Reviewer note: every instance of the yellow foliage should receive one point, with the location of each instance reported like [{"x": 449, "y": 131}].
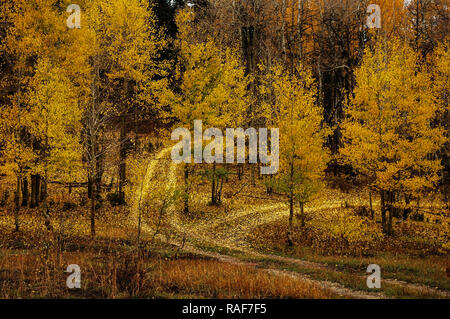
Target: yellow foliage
[
  {"x": 290, "y": 105},
  {"x": 388, "y": 134},
  {"x": 343, "y": 224},
  {"x": 213, "y": 85},
  {"x": 54, "y": 119}
]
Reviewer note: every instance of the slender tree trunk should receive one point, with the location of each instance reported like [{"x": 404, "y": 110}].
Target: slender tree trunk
[
  {"x": 383, "y": 211},
  {"x": 93, "y": 200},
  {"x": 33, "y": 191},
  {"x": 283, "y": 29},
  {"x": 389, "y": 228},
  {"x": 302, "y": 214},
  {"x": 35, "y": 188},
  {"x": 213, "y": 185},
  {"x": 292, "y": 35},
  {"x": 123, "y": 144},
  {"x": 291, "y": 220},
  {"x": 445, "y": 185},
  {"x": 45, "y": 207},
  {"x": 25, "y": 193},
  {"x": 407, "y": 210},
  {"x": 61, "y": 234},
  {"x": 138, "y": 240},
  {"x": 43, "y": 193},
  {"x": 4, "y": 199},
  {"x": 38, "y": 189},
  {"x": 136, "y": 135},
  {"x": 186, "y": 189},
  {"x": 17, "y": 204},
  {"x": 300, "y": 29},
  {"x": 90, "y": 185},
  {"x": 371, "y": 206},
  {"x": 122, "y": 165},
  {"x": 93, "y": 195},
  {"x": 391, "y": 212},
  {"x": 291, "y": 205},
  {"x": 93, "y": 175},
  {"x": 319, "y": 62},
  {"x": 99, "y": 167},
  {"x": 141, "y": 193}
]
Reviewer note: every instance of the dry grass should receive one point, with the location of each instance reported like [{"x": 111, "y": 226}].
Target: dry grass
[
  {"x": 125, "y": 275},
  {"x": 221, "y": 280}
]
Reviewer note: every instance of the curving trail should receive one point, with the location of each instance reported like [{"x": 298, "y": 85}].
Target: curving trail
[
  {"x": 230, "y": 232},
  {"x": 159, "y": 163},
  {"x": 142, "y": 190}
]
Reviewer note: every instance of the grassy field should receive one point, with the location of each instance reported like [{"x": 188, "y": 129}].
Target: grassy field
[{"x": 112, "y": 270}]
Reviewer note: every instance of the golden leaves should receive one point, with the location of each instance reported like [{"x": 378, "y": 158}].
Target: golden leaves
[
  {"x": 290, "y": 105},
  {"x": 389, "y": 134}
]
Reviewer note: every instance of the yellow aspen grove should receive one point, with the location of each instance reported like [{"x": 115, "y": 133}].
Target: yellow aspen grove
[
  {"x": 124, "y": 81},
  {"x": 388, "y": 132},
  {"x": 36, "y": 30},
  {"x": 132, "y": 45},
  {"x": 213, "y": 88},
  {"x": 213, "y": 85},
  {"x": 54, "y": 120},
  {"x": 291, "y": 106},
  {"x": 16, "y": 154}
]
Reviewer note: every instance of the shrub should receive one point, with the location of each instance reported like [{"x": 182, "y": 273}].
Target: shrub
[
  {"x": 68, "y": 206},
  {"x": 418, "y": 217},
  {"x": 115, "y": 199}
]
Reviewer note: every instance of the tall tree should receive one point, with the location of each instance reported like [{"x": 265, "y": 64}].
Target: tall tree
[
  {"x": 54, "y": 121},
  {"x": 212, "y": 87},
  {"x": 428, "y": 24},
  {"x": 292, "y": 107},
  {"x": 36, "y": 30},
  {"x": 388, "y": 133},
  {"x": 132, "y": 44}
]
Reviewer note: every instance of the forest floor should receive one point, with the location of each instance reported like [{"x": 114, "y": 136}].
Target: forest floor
[
  {"x": 233, "y": 250},
  {"x": 226, "y": 238}
]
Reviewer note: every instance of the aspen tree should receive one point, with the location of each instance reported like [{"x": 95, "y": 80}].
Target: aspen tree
[
  {"x": 388, "y": 133},
  {"x": 213, "y": 88},
  {"x": 291, "y": 106}
]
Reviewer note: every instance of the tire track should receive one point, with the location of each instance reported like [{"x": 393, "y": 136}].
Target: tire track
[{"x": 230, "y": 232}]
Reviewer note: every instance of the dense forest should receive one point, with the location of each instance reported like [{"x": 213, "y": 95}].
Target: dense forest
[{"x": 90, "y": 97}]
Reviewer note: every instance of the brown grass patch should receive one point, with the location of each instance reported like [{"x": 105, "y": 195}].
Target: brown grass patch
[{"x": 215, "y": 279}]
